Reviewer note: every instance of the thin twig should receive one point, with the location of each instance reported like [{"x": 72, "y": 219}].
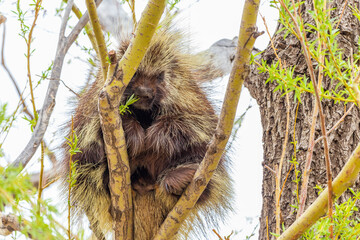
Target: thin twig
[
  {"x": 337, "y": 123},
  {"x": 88, "y": 29},
  {"x": 278, "y": 176},
  {"x": 132, "y": 8},
  {"x": 306, "y": 50},
  {"x": 25, "y": 108},
  {"x": 28, "y": 54},
  {"x": 294, "y": 143},
  {"x": 100, "y": 41},
  {"x": 40, "y": 189},
  {"x": 270, "y": 169},
  {"x": 342, "y": 14},
  {"x": 49, "y": 101},
  {"x": 70, "y": 181},
  {"x": 309, "y": 153},
  {"x": 267, "y": 228},
  {"x": 279, "y": 169},
  {"x": 217, "y": 234},
  {"x": 69, "y": 88}
]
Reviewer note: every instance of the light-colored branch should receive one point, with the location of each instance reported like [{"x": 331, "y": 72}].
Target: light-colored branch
[
  {"x": 100, "y": 41},
  {"x": 49, "y": 101},
  {"x": 88, "y": 29},
  {"x": 345, "y": 179},
  {"x": 111, "y": 124},
  {"x": 217, "y": 145}
]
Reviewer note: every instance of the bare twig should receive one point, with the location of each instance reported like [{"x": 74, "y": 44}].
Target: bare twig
[
  {"x": 294, "y": 158},
  {"x": 337, "y": 123},
  {"x": 217, "y": 234},
  {"x": 132, "y": 7},
  {"x": 28, "y": 54},
  {"x": 49, "y": 177},
  {"x": 279, "y": 169},
  {"x": 88, "y": 29},
  {"x": 270, "y": 169},
  {"x": 40, "y": 188}
]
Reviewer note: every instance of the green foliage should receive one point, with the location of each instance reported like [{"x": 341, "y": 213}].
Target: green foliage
[
  {"x": 18, "y": 193},
  {"x": 125, "y": 108},
  {"x": 72, "y": 142},
  {"x": 5, "y": 122},
  {"x": 172, "y": 4},
  {"x": 32, "y": 122},
  {"x": 14, "y": 187},
  {"x": 346, "y": 226},
  {"x": 21, "y": 19},
  {"x": 44, "y": 74},
  {"x": 340, "y": 69}
]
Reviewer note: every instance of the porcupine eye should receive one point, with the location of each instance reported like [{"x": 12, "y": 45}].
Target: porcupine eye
[{"x": 160, "y": 77}]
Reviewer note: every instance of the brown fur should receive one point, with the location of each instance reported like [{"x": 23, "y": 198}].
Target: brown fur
[{"x": 167, "y": 134}]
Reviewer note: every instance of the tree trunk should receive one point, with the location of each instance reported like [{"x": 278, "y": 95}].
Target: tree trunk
[{"x": 342, "y": 141}]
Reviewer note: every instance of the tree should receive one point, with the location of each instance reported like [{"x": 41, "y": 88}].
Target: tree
[
  {"x": 127, "y": 65},
  {"x": 288, "y": 116},
  {"x": 288, "y": 119}
]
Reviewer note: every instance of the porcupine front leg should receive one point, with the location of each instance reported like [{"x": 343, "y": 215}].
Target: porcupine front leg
[
  {"x": 180, "y": 153},
  {"x": 175, "y": 180}
]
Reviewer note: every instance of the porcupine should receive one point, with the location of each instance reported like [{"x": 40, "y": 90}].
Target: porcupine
[{"x": 167, "y": 132}]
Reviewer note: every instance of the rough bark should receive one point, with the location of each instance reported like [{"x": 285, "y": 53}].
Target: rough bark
[{"x": 272, "y": 105}]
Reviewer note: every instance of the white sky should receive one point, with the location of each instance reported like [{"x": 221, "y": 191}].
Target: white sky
[{"x": 207, "y": 21}]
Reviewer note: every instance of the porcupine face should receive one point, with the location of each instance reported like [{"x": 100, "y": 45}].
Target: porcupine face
[{"x": 147, "y": 89}]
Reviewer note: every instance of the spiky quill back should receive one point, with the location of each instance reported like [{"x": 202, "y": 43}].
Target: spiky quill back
[{"x": 183, "y": 124}]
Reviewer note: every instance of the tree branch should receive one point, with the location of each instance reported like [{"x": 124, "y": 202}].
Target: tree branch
[
  {"x": 317, "y": 209},
  {"x": 49, "y": 101},
  {"x": 25, "y": 108},
  {"x": 111, "y": 124},
  {"x": 217, "y": 145},
  {"x": 100, "y": 41}
]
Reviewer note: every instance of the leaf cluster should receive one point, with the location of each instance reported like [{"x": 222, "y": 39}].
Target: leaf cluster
[
  {"x": 125, "y": 108},
  {"x": 346, "y": 225},
  {"x": 72, "y": 141},
  {"x": 18, "y": 193},
  {"x": 14, "y": 187},
  {"x": 338, "y": 67}
]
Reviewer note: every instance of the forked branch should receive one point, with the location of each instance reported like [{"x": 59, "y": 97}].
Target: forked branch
[
  {"x": 49, "y": 101},
  {"x": 217, "y": 145},
  {"x": 109, "y": 100}
]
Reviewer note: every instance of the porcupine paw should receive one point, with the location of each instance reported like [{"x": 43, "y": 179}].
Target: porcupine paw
[{"x": 175, "y": 180}]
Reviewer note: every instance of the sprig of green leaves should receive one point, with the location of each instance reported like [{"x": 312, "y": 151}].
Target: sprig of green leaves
[{"x": 125, "y": 108}]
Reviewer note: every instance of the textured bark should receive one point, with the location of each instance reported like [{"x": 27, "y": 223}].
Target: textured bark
[{"x": 342, "y": 141}]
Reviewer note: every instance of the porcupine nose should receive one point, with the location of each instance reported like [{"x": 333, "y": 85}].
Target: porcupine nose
[{"x": 144, "y": 92}]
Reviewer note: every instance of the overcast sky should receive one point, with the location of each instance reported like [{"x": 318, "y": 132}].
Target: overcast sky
[{"x": 206, "y": 20}]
